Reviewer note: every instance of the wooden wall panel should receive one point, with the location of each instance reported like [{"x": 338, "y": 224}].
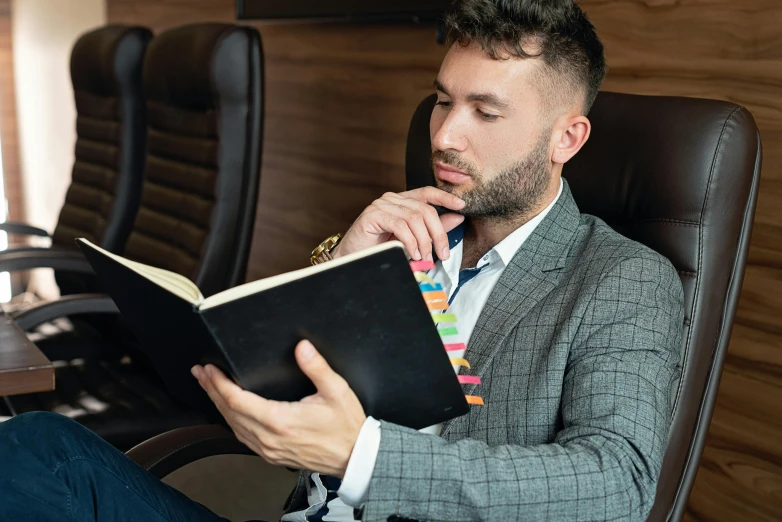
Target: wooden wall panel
[
  {"x": 339, "y": 99},
  {"x": 338, "y": 103}
]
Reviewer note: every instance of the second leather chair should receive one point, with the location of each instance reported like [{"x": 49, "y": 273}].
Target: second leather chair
[
  {"x": 105, "y": 190},
  {"x": 203, "y": 85}
]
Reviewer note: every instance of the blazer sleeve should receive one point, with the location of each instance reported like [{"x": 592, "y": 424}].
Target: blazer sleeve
[{"x": 616, "y": 411}]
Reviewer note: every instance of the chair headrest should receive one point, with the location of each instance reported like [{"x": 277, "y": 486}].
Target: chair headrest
[
  {"x": 174, "y": 70},
  {"x": 203, "y": 85},
  {"x": 105, "y": 59}
]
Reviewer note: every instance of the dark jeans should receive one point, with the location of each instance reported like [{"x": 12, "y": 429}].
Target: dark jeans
[{"x": 52, "y": 468}]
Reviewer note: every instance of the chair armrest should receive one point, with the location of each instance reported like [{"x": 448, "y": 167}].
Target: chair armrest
[
  {"x": 17, "y": 248},
  {"x": 64, "y": 306},
  {"x": 170, "y": 451},
  {"x": 27, "y": 259},
  {"x": 23, "y": 229}
]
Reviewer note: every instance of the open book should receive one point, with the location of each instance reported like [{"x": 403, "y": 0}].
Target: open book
[{"x": 364, "y": 312}]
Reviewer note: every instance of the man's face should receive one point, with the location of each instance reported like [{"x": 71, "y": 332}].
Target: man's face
[{"x": 491, "y": 138}]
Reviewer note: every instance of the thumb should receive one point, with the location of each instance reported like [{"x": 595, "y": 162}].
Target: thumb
[
  {"x": 314, "y": 366},
  {"x": 451, "y": 220}
]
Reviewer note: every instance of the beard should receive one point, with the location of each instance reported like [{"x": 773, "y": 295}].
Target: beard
[{"x": 515, "y": 191}]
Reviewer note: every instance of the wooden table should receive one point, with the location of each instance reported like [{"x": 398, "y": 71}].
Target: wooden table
[{"x": 23, "y": 367}]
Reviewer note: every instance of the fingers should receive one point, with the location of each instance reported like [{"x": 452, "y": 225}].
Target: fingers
[
  {"x": 435, "y": 196},
  {"x": 327, "y": 381},
  {"x": 233, "y": 403},
  {"x": 204, "y": 379},
  {"x": 396, "y": 224},
  {"x": 409, "y": 217},
  {"x": 227, "y": 396},
  {"x": 408, "y": 226},
  {"x": 424, "y": 223},
  {"x": 451, "y": 221}
]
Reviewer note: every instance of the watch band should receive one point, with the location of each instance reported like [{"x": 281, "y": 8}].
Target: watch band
[{"x": 322, "y": 252}]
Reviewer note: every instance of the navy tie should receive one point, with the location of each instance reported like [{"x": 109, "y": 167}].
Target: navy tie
[
  {"x": 455, "y": 237},
  {"x": 464, "y": 276}
]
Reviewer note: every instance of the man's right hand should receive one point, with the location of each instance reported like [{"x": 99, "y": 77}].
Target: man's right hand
[{"x": 410, "y": 218}]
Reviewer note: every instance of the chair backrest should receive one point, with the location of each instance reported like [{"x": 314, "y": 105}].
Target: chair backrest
[
  {"x": 105, "y": 190},
  {"x": 111, "y": 128},
  {"x": 679, "y": 175},
  {"x": 204, "y": 89}
]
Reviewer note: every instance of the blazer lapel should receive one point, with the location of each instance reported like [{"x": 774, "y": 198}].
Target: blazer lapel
[{"x": 530, "y": 276}]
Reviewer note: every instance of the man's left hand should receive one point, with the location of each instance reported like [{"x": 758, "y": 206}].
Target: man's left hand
[{"x": 316, "y": 433}]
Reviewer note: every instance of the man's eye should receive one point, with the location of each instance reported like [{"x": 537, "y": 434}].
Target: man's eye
[
  {"x": 443, "y": 104},
  {"x": 488, "y": 117}
]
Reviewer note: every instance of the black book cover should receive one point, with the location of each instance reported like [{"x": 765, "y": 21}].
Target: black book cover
[{"x": 366, "y": 316}]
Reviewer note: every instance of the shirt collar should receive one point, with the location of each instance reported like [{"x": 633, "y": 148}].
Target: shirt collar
[{"x": 508, "y": 247}]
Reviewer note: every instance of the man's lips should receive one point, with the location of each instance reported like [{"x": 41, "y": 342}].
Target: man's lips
[{"x": 445, "y": 172}]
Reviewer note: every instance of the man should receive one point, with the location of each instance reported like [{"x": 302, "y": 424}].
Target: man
[{"x": 574, "y": 329}]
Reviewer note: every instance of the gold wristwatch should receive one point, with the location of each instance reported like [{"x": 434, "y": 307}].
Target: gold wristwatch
[{"x": 322, "y": 252}]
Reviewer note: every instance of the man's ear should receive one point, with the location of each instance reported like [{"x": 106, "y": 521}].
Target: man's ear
[{"x": 573, "y": 132}]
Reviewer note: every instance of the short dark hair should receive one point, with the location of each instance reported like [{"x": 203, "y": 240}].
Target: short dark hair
[{"x": 561, "y": 33}]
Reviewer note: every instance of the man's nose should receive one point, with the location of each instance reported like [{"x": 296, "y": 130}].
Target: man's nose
[{"x": 450, "y": 135}]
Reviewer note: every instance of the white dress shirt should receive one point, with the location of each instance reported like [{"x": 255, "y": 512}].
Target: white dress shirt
[{"x": 466, "y": 306}]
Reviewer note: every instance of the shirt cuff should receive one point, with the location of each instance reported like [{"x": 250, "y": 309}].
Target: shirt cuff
[{"x": 355, "y": 483}]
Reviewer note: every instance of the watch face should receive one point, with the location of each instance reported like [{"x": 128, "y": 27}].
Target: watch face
[
  {"x": 333, "y": 240},
  {"x": 323, "y": 251}
]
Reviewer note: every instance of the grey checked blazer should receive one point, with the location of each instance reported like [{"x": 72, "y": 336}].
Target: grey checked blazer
[{"x": 577, "y": 347}]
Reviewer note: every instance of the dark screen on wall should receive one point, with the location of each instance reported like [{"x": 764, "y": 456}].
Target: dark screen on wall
[{"x": 351, "y": 9}]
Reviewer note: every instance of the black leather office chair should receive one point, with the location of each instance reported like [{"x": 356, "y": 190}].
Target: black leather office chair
[
  {"x": 677, "y": 174},
  {"x": 203, "y": 88},
  {"x": 105, "y": 190}
]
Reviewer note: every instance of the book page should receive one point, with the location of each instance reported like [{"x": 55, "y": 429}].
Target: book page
[
  {"x": 254, "y": 287},
  {"x": 175, "y": 283}
]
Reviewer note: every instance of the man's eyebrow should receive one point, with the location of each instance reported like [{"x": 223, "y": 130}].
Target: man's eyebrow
[
  {"x": 440, "y": 87},
  {"x": 488, "y": 98}
]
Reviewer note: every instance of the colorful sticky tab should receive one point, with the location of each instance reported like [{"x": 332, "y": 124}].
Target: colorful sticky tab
[
  {"x": 456, "y": 361},
  {"x": 423, "y": 278},
  {"x": 437, "y": 305},
  {"x": 435, "y": 296},
  {"x": 443, "y": 318},
  {"x": 436, "y": 300},
  {"x": 469, "y": 379},
  {"x": 421, "y": 266}
]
